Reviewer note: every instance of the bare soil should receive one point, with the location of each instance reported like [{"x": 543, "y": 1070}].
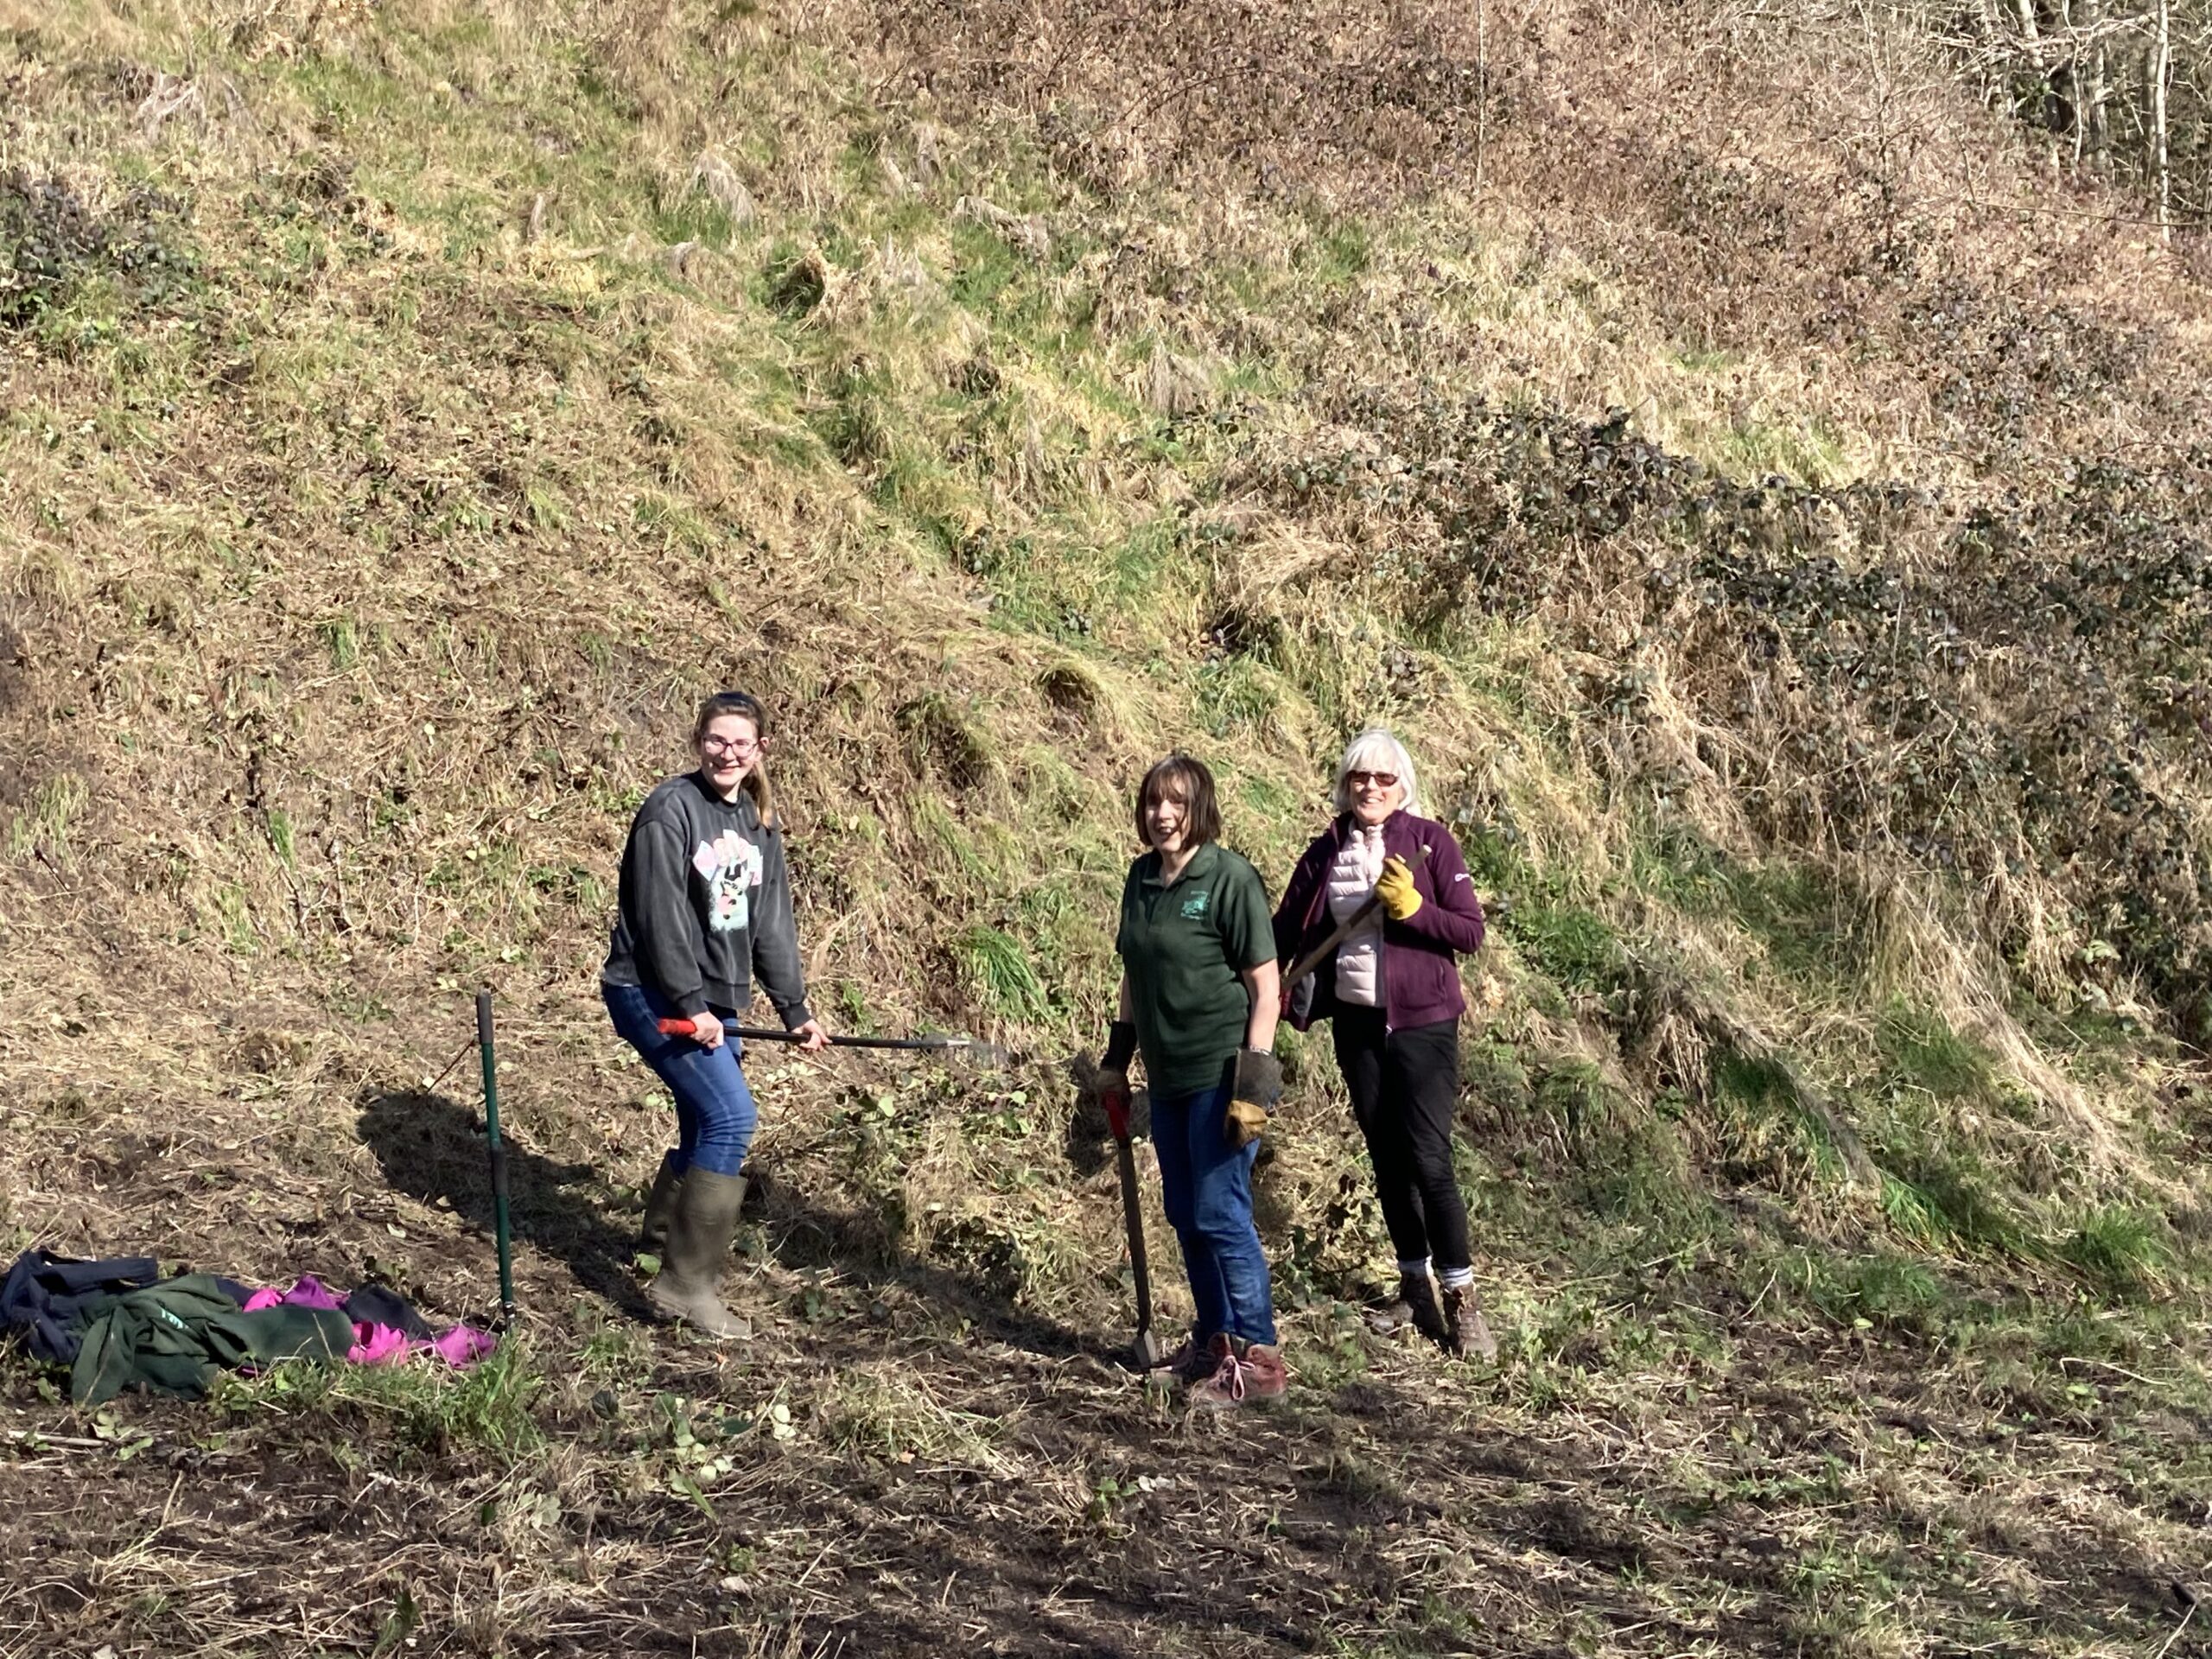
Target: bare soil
[{"x": 956, "y": 1470}]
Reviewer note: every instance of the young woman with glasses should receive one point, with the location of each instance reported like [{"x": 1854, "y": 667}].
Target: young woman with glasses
[
  {"x": 705, "y": 907},
  {"x": 1392, "y": 989}
]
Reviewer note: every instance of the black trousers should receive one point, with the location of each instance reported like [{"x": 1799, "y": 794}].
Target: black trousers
[{"x": 1405, "y": 1087}]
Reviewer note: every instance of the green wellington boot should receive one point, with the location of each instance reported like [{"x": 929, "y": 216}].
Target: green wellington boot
[
  {"x": 660, "y": 1207},
  {"x": 689, "y": 1286}
]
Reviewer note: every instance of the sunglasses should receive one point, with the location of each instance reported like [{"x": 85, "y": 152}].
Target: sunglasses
[{"x": 1380, "y": 780}]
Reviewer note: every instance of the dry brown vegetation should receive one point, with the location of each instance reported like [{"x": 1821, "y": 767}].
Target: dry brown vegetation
[{"x": 406, "y": 410}]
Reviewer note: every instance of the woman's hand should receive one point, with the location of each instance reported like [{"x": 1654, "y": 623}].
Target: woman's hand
[
  {"x": 1400, "y": 899},
  {"x": 707, "y": 1029},
  {"x": 1258, "y": 1091},
  {"x": 813, "y": 1037}
]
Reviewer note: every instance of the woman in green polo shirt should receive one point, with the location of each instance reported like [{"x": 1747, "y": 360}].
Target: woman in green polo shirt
[{"x": 1199, "y": 1001}]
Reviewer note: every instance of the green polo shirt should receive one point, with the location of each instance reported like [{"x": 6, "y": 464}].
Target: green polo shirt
[{"x": 1184, "y": 947}]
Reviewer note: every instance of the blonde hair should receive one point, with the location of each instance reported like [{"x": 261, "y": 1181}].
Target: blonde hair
[{"x": 1377, "y": 750}]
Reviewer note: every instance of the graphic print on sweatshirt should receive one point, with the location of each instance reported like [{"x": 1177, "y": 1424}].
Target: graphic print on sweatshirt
[{"x": 731, "y": 864}]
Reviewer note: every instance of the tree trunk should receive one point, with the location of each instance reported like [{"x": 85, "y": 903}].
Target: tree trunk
[
  {"x": 2031, "y": 50},
  {"x": 2093, "y": 121},
  {"x": 2162, "y": 65},
  {"x": 2072, "y": 69},
  {"x": 1482, "y": 92}
]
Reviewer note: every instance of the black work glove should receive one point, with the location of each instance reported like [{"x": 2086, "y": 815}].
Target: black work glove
[
  {"x": 1110, "y": 1084},
  {"x": 1120, "y": 1046},
  {"x": 1257, "y": 1091}
]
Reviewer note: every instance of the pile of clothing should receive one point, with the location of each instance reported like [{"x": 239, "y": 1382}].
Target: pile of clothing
[{"x": 118, "y": 1324}]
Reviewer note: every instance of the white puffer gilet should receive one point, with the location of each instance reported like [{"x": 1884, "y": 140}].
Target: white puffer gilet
[{"x": 1352, "y": 883}]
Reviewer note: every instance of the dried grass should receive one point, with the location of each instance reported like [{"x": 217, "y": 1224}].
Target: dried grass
[
  {"x": 336, "y": 682},
  {"x": 714, "y": 174},
  {"x": 1024, "y": 230}
]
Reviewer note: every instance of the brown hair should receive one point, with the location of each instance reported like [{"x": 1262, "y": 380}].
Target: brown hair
[
  {"x": 1184, "y": 779},
  {"x": 747, "y": 707}
]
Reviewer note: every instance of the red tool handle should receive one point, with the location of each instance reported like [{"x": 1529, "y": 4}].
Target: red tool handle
[
  {"x": 691, "y": 1028},
  {"x": 1116, "y": 1102}
]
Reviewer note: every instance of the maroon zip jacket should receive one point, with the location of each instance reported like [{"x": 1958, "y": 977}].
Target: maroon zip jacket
[{"x": 1420, "y": 980}]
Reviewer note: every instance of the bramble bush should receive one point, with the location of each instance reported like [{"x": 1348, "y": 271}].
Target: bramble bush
[{"x": 2015, "y": 686}]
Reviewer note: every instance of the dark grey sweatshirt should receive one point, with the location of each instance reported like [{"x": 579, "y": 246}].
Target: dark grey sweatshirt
[{"x": 705, "y": 903}]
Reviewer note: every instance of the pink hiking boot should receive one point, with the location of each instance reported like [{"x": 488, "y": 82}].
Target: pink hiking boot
[{"x": 1243, "y": 1372}]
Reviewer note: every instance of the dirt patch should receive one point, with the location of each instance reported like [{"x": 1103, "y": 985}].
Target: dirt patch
[
  {"x": 906, "y": 1461},
  {"x": 1282, "y": 95}
]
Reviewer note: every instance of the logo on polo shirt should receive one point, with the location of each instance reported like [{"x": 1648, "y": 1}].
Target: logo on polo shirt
[{"x": 1194, "y": 908}]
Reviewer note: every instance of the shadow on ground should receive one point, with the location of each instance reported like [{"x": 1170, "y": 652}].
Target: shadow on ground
[
  {"x": 431, "y": 1147},
  {"x": 804, "y": 1234}
]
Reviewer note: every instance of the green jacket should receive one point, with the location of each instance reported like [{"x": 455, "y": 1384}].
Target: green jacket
[{"x": 173, "y": 1336}]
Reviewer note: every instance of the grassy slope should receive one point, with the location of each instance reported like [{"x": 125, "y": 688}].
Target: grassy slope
[{"x": 360, "y": 563}]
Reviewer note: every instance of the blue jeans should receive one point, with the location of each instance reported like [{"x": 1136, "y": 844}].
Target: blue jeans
[
  {"x": 714, "y": 1113},
  {"x": 1205, "y": 1186}
]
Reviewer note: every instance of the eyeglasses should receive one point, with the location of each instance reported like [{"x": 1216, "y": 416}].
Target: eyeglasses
[
  {"x": 1380, "y": 780},
  {"x": 740, "y": 747}
]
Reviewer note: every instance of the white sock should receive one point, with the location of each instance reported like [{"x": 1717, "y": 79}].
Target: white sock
[
  {"x": 1415, "y": 1269},
  {"x": 1456, "y": 1278}
]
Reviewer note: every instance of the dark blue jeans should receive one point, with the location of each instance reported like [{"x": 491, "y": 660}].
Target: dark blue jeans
[
  {"x": 714, "y": 1113},
  {"x": 1205, "y": 1186}
]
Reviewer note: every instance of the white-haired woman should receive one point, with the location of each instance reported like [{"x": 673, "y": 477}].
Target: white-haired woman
[{"x": 1392, "y": 990}]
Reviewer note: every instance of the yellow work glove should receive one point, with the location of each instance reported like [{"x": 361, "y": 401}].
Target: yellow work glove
[
  {"x": 1394, "y": 887},
  {"x": 1246, "y": 1122},
  {"x": 1258, "y": 1086}
]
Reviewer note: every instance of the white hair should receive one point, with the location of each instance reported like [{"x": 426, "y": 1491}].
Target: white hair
[{"x": 1375, "y": 750}]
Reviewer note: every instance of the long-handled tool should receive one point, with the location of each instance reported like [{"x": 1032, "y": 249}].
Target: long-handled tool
[
  {"x": 499, "y": 1232},
  {"x": 1146, "y": 1349},
  {"x": 968, "y": 1047},
  {"x": 1321, "y": 952}
]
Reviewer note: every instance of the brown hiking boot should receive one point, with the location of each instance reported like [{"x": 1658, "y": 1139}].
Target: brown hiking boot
[
  {"x": 1243, "y": 1372},
  {"x": 1463, "y": 1315},
  {"x": 1191, "y": 1363},
  {"x": 1418, "y": 1292},
  {"x": 660, "y": 1207},
  {"x": 689, "y": 1286}
]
